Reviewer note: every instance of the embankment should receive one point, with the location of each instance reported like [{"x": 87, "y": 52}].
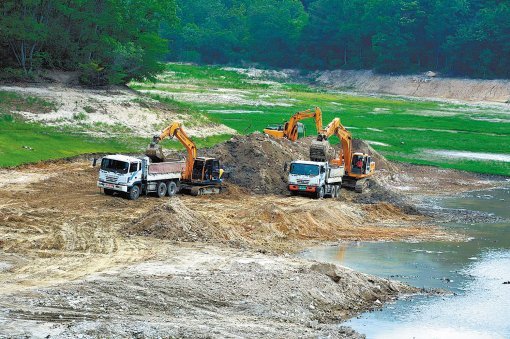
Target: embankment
[{"x": 419, "y": 85}]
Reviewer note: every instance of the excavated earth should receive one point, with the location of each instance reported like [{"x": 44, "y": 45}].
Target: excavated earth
[{"x": 77, "y": 263}]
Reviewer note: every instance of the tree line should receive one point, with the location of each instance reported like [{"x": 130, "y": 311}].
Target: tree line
[
  {"x": 107, "y": 41},
  {"x": 114, "y": 41},
  {"x": 458, "y": 37}
]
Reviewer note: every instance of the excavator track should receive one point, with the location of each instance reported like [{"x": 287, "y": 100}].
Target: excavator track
[{"x": 361, "y": 185}]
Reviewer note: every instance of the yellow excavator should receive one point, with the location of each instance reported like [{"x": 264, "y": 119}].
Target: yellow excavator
[
  {"x": 290, "y": 129},
  {"x": 201, "y": 175},
  {"x": 358, "y": 166}
]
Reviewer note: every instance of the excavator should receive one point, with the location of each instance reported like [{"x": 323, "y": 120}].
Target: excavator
[
  {"x": 358, "y": 166},
  {"x": 201, "y": 175},
  {"x": 290, "y": 129}
]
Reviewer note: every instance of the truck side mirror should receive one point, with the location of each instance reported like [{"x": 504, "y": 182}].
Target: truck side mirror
[
  {"x": 285, "y": 167},
  {"x": 94, "y": 162}
]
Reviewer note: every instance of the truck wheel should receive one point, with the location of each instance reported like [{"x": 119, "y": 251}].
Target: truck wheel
[
  {"x": 337, "y": 192},
  {"x": 161, "y": 192},
  {"x": 320, "y": 193},
  {"x": 108, "y": 191},
  {"x": 171, "y": 189},
  {"x": 134, "y": 193}
]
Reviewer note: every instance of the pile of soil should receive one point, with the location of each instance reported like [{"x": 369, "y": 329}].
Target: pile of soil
[{"x": 257, "y": 161}]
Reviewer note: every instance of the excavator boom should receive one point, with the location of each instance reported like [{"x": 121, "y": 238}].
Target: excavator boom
[
  {"x": 358, "y": 166},
  {"x": 154, "y": 151},
  {"x": 290, "y": 128}
]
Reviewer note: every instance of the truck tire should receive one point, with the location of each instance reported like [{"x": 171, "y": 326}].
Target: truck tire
[
  {"x": 134, "y": 193},
  {"x": 337, "y": 192},
  {"x": 320, "y": 193},
  {"x": 171, "y": 189},
  {"x": 161, "y": 189},
  {"x": 108, "y": 191}
]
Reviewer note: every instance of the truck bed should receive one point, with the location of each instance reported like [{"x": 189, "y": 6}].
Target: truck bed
[
  {"x": 167, "y": 167},
  {"x": 335, "y": 174}
]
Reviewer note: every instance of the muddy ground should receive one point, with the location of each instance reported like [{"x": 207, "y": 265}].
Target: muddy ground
[{"x": 74, "y": 262}]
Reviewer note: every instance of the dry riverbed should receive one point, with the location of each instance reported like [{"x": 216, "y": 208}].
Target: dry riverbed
[{"x": 75, "y": 262}]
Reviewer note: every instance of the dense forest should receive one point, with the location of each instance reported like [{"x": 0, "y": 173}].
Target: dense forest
[{"x": 113, "y": 41}]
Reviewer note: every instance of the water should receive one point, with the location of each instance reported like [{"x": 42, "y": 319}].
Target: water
[{"x": 474, "y": 271}]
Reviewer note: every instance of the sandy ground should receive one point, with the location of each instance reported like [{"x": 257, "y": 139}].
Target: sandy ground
[
  {"x": 476, "y": 90},
  {"x": 76, "y": 262},
  {"x": 115, "y": 107}
]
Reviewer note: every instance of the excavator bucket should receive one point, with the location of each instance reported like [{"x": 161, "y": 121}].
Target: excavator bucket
[
  {"x": 155, "y": 152},
  {"x": 321, "y": 150}
]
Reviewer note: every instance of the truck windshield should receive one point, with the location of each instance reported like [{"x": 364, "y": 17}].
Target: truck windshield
[
  {"x": 117, "y": 166},
  {"x": 304, "y": 169}
]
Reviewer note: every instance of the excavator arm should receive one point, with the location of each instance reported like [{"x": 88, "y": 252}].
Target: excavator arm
[
  {"x": 320, "y": 148},
  {"x": 155, "y": 152},
  {"x": 290, "y": 129}
]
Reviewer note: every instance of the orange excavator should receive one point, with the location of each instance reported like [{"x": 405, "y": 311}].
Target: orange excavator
[
  {"x": 291, "y": 129},
  {"x": 358, "y": 166},
  {"x": 201, "y": 175}
]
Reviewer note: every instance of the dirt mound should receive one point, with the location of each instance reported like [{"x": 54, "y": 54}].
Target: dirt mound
[
  {"x": 419, "y": 85},
  {"x": 257, "y": 161},
  {"x": 274, "y": 223},
  {"x": 173, "y": 221}
]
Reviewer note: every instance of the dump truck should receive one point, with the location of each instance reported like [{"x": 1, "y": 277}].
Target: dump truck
[
  {"x": 153, "y": 173},
  {"x": 201, "y": 175},
  {"x": 135, "y": 176},
  {"x": 315, "y": 178},
  {"x": 293, "y": 128}
]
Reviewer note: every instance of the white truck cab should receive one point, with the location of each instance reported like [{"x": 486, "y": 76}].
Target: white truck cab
[
  {"x": 119, "y": 172},
  {"x": 135, "y": 176},
  {"x": 319, "y": 179}
]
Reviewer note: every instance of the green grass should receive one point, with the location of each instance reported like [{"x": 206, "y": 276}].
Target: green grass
[
  {"x": 409, "y": 126},
  {"x": 22, "y": 143}
]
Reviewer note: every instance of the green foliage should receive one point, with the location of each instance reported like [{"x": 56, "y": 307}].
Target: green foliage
[
  {"x": 461, "y": 37},
  {"x": 109, "y": 41}
]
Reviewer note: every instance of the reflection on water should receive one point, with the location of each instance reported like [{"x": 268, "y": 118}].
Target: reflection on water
[{"x": 475, "y": 271}]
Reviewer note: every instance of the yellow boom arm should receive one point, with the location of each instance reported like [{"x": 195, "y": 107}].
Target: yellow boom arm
[
  {"x": 290, "y": 130},
  {"x": 175, "y": 130},
  {"x": 335, "y": 127}
]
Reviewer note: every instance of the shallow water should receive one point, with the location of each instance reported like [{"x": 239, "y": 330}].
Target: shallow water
[{"x": 475, "y": 271}]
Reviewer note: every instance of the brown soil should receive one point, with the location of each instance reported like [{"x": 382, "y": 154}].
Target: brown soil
[
  {"x": 417, "y": 85},
  {"x": 131, "y": 274}
]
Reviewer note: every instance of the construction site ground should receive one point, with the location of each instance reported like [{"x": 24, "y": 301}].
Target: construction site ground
[{"x": 75, "y": 262}]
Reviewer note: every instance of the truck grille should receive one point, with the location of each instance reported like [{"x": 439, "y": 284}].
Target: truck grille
[
  {"x": 111, "y": 178},
  {"x": 303, "y": 181}
]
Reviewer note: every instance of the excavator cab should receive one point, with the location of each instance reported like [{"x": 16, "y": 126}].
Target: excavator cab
[
  {"x": 361, "y": 164},
  {"x": 206, "y": 170}
]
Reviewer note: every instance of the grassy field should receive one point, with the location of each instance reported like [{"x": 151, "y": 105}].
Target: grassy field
[
  {"x": 402, "y": 129},
  {"x": 22, "y": 142}
]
